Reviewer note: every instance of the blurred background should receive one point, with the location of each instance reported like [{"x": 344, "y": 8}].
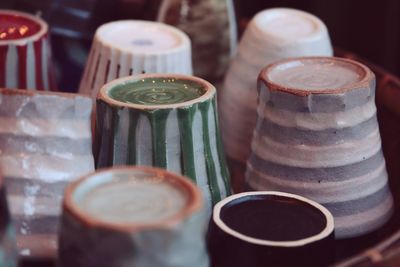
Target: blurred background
[{"x": 370, "y": 29}]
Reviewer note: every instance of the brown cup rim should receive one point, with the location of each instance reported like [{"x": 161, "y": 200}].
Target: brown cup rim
[
  {"x": 32, "y": 38},
  {"x": 27, "y": 92},
  {"x": 328, "y": 230},
  {"x": 364, "y": 82},
  {"x": 184, "y": 40},
  {"x": 104, "y": 96},
  {"x": 193, "y": 204}
]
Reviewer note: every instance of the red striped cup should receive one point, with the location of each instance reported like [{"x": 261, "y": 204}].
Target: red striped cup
[{"x": 25, "y": 57}]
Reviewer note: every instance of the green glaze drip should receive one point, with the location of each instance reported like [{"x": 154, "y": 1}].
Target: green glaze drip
[
  {"x": 158, "y": 120},
  {"x": 113, "y": 133},
  {"x": 221, "y": 153},
  {"x": 185, "y": 117},
  {"x": 157, "y": 91},
  {"x": 133, "y": 121},
  {"x": 211, "y": 170}
]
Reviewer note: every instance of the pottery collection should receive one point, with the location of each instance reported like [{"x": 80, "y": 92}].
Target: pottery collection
[
  {"x": 129, "y": 47},
  {"x": 133, "y": 216},
  {"x": 317, "y": 135},
  {"x": 25, "y": 56},
  {"x": 45, "y": 142},
  {"x": 168, "y": 121},
  {"x": 273, "y": 34},
  {"x": 298, "y": 126}
]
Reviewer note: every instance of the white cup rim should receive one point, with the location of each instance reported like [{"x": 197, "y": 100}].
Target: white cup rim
[{"x": 329, "y": 228}]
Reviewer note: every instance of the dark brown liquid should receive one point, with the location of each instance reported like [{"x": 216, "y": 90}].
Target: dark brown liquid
[{"x": 274, "y": 218}]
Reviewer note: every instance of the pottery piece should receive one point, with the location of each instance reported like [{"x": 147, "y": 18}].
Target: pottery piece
[
  {"x": 211, "y": 26},
  {"x": 317, "y": 135},
  {"x": 163, "y": 120},
  {"x": 273, "y": 34},
  {"x": 270, "y": 229},
  {"x": 45, "y": 142},
  {"x": 25, "y": 54},
  {"x": 133, "y": 216},
  {"x": 126, "y": 47},
  {"x": 8, "y": 251}
]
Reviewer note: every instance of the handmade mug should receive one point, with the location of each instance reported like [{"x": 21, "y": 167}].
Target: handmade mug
[
  {"x": 163, "y": 120},
  {"x": 127, "y": 47},
  {"x": 270, "y": 229},
  {"x": 133, "y": 216},
  {"x": 273, "y": 34},
  {"x": 317, "y": 135},
  {"x": 25, "y": 54},
  {"x": 45, "y": 142}
]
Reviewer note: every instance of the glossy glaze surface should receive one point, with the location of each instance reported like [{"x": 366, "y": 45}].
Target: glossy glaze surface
[
  {"x": 17, "y": 27},
  {"x": 157, "y": 91}
]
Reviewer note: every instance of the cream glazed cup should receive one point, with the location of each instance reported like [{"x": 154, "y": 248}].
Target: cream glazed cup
[
  {"x": 272, "y": 34},
  {"x": 133, "y": 216},
  {"x": 317, "y": 135},
  {"x": 129, "y": 47}
]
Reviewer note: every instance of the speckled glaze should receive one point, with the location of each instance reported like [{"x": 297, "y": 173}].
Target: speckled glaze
[
  {"x": 322, "y": 141},
  {"x": 25, "y": 55},
  {"x": 167, "y": 229},
  {"x": 273, "y": 34},
  {"x": 128, "y": 47},
  {"x": 270, "y": 229},
  {"x": 180, "y": 136},
  {"x": 8, "y": 251},
  {"x": 45, "y": 142}
]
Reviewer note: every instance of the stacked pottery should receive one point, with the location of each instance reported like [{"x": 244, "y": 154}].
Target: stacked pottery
[
  {"x": 8, "y": 252},
  {"x": 45, "y": 142},
  {"x": 133, "y": 216},
  {"x": 25, "y": 56},
  {"x": 272, "y": 35},
  {"x": 123, "y": 48},
  {"x": 163, "y": 120},
  {"x": 317, "y": 135}
]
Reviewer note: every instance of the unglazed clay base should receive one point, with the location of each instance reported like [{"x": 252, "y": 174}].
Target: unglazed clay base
[
  {"x": 318, "y": 136},
  {"x": 133, "y": 216}
]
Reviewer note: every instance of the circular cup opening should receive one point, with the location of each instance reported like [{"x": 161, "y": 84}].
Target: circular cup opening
[
  {"x": 156, "y": 91},
  {"x": 273, "y": 219},
  {"x": 129, "y": 198}
]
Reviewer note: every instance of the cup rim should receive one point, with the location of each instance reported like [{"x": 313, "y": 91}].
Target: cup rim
[
  {"x": 329, "y": 228},
  {"x": 183, "y": 37},
  {"x": 104, "y": 96},
  {"x": 320, "y": 27},
  {"x": 32, "y": 38},
  {"x": 363, "y": 82},
  {"x": 194, "y": 201}
]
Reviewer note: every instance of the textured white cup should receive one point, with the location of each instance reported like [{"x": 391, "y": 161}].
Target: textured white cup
[
  {"x": 272, "y": 35},
  {"x": 126, "y": 47}
]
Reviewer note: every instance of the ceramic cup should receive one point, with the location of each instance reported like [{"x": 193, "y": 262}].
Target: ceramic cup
[
  {"x": 273, "y": 34},
  {"x": 317, "y": 135},
  {"x": 270, "y": 229},
  {"x": 133, "y": 216},
  {"x": 45, "y": 142},
  {"x": 8, "y": 251},
  {"x": 25, "y": 56},
  {"x": 163, "y": 120},
  {"x": 123, "y": 48}
]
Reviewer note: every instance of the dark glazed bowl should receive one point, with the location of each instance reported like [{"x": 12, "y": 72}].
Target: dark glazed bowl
[{"x": 270, "y": 228}]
